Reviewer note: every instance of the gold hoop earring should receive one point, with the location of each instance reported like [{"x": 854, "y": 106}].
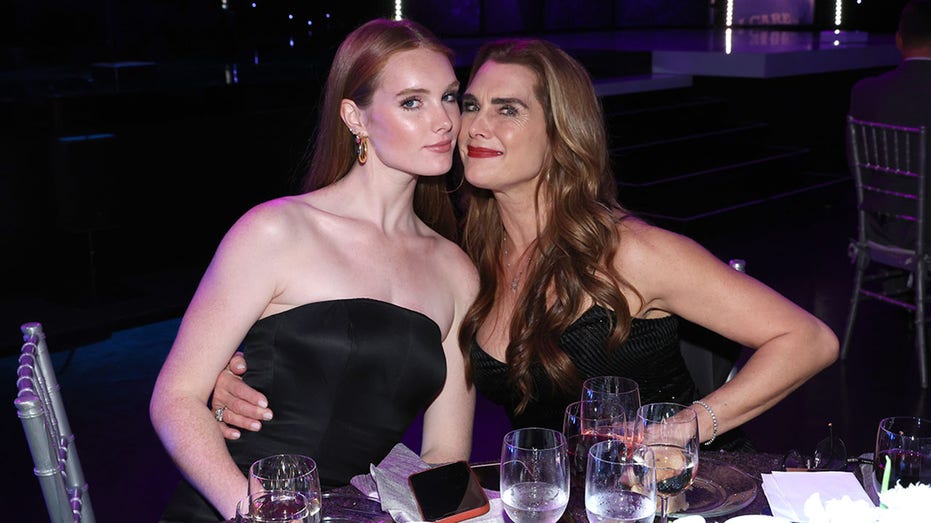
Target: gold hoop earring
[{"x": 362, "y": 149}]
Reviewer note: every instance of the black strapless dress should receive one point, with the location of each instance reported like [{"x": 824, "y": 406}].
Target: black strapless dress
[
  {"x": 346, "y": 378},
  {"x": 650, "y": 356}
]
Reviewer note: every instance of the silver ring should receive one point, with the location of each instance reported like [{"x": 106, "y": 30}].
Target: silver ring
[{"x": 218, "y": 414}]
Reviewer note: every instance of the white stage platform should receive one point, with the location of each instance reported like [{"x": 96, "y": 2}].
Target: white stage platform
[{"x": 739, "y": 53}]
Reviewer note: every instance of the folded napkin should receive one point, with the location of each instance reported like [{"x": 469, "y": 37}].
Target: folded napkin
[
  {"x": 387, "y": 482},
  {"x": 797, "y": 495}
]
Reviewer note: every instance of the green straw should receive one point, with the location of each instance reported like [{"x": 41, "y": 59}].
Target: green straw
[{"x": 885, "y": 483}]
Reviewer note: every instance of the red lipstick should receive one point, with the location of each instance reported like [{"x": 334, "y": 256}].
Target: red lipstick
[{"x": 481, "y": 152}]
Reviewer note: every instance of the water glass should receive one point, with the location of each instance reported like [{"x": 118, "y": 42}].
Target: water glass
[
  {"x": 586, "y": 423},
  {"x": 534, "y": 475},
  {"x": 903, "y": 448},
  {"x": 620, "y": 484},
  {"x": 276, "y": 506},
  {"x": 288, "y": 472}
]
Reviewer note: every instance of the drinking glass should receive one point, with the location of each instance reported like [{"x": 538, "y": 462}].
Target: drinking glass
[
  {"x": 903, "y": 446},
  {"x": 534, "y": 475},
  {"x": 620, "y": 485},
  {"x": 671, "y": 430},
  {"x": 623, "y": 394},
  {"x": 584, "y": 424},
  {"x": 288, "y": 472},
  {"x": 275, "y": 506}
]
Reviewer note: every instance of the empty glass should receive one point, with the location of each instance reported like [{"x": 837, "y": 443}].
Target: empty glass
[
  {"x": 288, "y": 472},
  {"x": 620, "y": 486},
  {"x": 534, "y": 475}
]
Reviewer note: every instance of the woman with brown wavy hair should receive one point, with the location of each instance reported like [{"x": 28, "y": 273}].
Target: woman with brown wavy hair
[
  {"x": 347, "y": 298},
  {"x": 574, "y": 286}
]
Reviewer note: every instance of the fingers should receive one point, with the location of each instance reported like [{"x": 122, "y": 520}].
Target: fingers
[
  {"x": 237, "y": 364},
  {"x": 246, "y": 408},
  {"x": 235, "y": 420},
  {"x": 229, "y": 432}
]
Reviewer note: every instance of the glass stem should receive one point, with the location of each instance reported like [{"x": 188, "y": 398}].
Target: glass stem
[{"x": 663, "y": 507}]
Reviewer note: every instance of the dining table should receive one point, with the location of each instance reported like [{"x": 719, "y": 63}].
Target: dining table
[{"x": 734, "y": 479}]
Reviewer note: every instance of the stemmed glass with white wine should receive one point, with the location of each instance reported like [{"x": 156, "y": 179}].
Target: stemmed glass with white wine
[
  {"x": 671, "y": 430},
  {"x": 534, "y": 475}
]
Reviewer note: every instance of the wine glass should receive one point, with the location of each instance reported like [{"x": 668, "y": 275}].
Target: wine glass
[
  {"x": 534, "y": 475},
  {"x": 584, "y": 424},
  {"x": 903, "y": 451},
  {"x": 275, "y": 506},
  {"x": 288, "y": 472},
  {"x": 671, "y": 430},
  {"x": 621, "y": 393},
  {"x": 620, "y": 483}
]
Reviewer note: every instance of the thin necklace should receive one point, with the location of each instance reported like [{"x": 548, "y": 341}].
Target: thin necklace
[{"x": 515, "y": 280}]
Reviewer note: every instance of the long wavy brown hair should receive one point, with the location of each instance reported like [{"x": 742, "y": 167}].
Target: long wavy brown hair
[
  {"x": 355, "y": 74},
  {"x": 572, "y": 259}
]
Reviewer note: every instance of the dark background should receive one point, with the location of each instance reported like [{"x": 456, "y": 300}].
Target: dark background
[{"x": 133, "y": 134}]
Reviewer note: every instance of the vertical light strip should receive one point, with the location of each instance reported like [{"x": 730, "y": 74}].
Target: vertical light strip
[
  {"x": 727, "y": 40},
  {"x": 397, "y": 10},
  {"x": 729, "y": 14},
  {"x": 838, "y": 13}
]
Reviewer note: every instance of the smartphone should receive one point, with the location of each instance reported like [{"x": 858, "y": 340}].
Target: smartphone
[
  {"x": 489, "y": 474},
  {"x": 448, "y": 493}
]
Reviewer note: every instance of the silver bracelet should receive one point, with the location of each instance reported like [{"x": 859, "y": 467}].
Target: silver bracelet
[{"x": 714, "y": 420}]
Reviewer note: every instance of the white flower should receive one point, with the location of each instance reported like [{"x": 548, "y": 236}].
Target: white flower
[{"x": 906, "y": 504}]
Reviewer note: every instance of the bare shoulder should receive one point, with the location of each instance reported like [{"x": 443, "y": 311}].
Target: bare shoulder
[
  {"x": 656, "y": 261},
  {"x": 274, "y": 222},
  {"x": 645, "y": 244}
]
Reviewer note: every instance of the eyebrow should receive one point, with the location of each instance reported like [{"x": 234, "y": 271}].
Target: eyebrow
[
  {"x": 509, "y": 101},
  {"x": 499, "y": 101},
  {"x": 420, "y": 90}
]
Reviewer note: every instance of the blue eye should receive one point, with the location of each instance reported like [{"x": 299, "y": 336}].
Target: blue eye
[
  {"x": 451, "y": 97},
  {"x": 508, "y": 110},
  {"x": 411, "y": 103},
  {"x": 469, "y": 107}
]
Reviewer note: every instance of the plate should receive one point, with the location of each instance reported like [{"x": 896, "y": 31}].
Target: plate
[
  {"x": 719, "y": 489},
  {"x": 342, "y": 507}
]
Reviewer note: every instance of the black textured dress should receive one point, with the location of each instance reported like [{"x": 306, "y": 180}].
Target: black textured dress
[
  {"x": 346, "y": 378},
  {"x": 650, "y": 356}
]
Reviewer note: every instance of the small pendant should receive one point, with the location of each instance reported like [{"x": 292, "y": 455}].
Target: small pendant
[{"x": 514, "y": 284}]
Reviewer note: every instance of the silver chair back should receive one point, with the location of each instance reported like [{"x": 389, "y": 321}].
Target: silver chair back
[
  {"x": 890, "y": 167},
  {"x": 48, "y": 432}
]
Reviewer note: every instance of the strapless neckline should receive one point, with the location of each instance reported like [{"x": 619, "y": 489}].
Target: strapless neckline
[
  {"x": 593, "y": 313},
  {"x": 297, "y": 309}
]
